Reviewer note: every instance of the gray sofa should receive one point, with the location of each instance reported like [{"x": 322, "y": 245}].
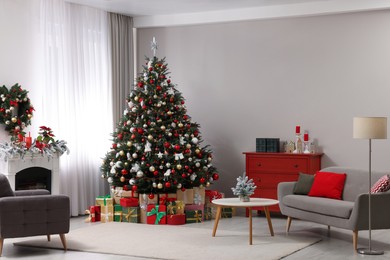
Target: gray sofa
[
  {"x": 350, "y": 213},
  {"x": 32, "y": 213}
]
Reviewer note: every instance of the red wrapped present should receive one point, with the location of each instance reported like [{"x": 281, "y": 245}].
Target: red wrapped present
[
  {"x": 156, "y": 214},
  {"x": 176, "y": 219},
  {"x": 212, "y": 195},
  {"x": 129, "y": 202},
  {"x": 163, "y": 199},
  {"x": 94, "y": 214}
]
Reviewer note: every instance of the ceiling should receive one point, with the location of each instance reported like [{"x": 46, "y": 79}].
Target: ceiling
[{"x": 151, "y": 13}]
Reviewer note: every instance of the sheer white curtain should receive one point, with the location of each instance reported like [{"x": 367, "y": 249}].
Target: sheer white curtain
[{"x": 77, "y": 94}]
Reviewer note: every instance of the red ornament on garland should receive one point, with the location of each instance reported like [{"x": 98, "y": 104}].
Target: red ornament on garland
[
  {"x": 151, "y": 196},
  {"x": 177, "y": 147},
  {"x": 167, "y": 185},
  {"x": 215, "y": 176},
  {"x": 202, "y": 180},
  {"x": 183, "y": 175},
  {"x": 124, "y": 172},
  {"x": 114, "y": 145},
  {"x": 134, "y": 188},
  {"x": 167, "y": 145}
]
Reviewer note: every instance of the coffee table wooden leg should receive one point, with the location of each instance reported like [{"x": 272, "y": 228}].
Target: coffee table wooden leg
[
  {"x": 250, "y": 225},
  {"x": 271, "y": 230},
  {"x": 217, "y": 217}
]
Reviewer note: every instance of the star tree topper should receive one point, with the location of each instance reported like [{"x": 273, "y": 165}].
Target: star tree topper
[{"x": 154, "y": 46}]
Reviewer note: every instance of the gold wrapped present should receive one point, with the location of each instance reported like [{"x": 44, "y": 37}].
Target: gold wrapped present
[
  {"x": 187, "y": 196},
  {"x": 104, "y": 201},
  {"x": 107, "y": 214}
]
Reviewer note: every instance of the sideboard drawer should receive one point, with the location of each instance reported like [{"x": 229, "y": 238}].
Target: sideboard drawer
[
  {"x": 271, "y": 181},
  {"x": 277, "y": 164}
]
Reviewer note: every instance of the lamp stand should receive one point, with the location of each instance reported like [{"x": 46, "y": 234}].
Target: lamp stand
[{"x": 369, "y": 251}]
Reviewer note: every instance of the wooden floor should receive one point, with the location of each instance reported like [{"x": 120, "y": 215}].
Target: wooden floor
[{"x": 335, "y": 244}]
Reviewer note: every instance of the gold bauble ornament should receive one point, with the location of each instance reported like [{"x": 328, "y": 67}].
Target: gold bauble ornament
[
  {"x": 150, "y": 137},
  {"x": 197, "y": 151},
  {"x": 129, "y": 143},
  {"x": 136, "y": 98},
  {"x": 14, "y": 120},
  {"x": 159, "y": 185},
  {"x": 169, "y": 113},
  {"x": 178, "y": 166},
  {"x": 122, "y": 179},
  {"x": 208, "y": 184},
  {"x": 180, "y": 125},
  {"x": 188, "y": 146},
  {"x": 121, "y": 153},
  {"x": 163, "y": 127}
]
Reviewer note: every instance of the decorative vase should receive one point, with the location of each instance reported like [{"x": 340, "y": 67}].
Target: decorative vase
[{"x": 244, "y": 198}]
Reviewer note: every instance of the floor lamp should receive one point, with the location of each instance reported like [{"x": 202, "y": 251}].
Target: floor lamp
[{"x": 369, "y": 128}]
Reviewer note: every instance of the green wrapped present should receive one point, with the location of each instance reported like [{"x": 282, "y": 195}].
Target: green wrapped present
[
  {"x": 118, "y": 213},
  {"x": 227, "y": 213},
  {"x": 194, "y": 216},
  {"x": 131, "y": 214}
]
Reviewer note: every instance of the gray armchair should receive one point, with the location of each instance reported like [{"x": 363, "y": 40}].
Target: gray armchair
[{"x": 32, "y": 213}]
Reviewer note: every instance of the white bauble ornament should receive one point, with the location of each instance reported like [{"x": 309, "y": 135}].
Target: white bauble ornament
[
  {"x": 118, "y": 164},
  {"x": 164, "y": 103},
  {"x": 159, "y": 185},
  {"x": 132, "y": 181},
  {"x": 110, "y": 180},
  {"x": 173, "y": 125},
  {"x": 111, "y": 164},
  {"x": 132, "y": 130},
  {"x": 152, "y": 169},
  {"x": 11, "y": 108},
  {"x": 161, "y": 167},
  {"x": 121, "y": 153},
  {"x": 209, "y": 159},
  {"x": 155, "y": 96},
  {"x": 145, "y": 126},
  {"x": 179, "y": 186},
  {"x": 162, "y": 127},
  {"x": 168, "y": 165},
  {"x": 135, "y": 155},
  {"x": 158, "y": 105},
  {"x": 194, "y": 140},
  {"x": 188, "y": 146},
  {"x": 128, "y": 122},
  {"x": 140, "y": 174},
  {"x": 134, "y": 109},
  {"x": 169, "y": 134},
  {"x": 150, "y": 137},
  {"x": 169, "y": 113},
  {"x": 186, "y": 135},
  {"x": 154, "y": 185},
  {"x": 192, "y": 177},
  {"x": 190, "y": 159},
  {"x": 197, "y": 164}
]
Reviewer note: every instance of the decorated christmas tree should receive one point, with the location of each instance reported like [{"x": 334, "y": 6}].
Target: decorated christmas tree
[{"x": 156, "y": 148}]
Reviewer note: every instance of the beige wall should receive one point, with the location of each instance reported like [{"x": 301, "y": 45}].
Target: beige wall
[{"x": 259, "y": 79}]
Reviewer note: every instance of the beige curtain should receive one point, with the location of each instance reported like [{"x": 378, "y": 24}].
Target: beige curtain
[{"x": 120, "y": 30}]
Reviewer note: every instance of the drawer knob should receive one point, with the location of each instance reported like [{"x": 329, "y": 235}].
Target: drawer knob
[
  {"x": 296, "y": 166},
  {"x": 259, "y": 164}
]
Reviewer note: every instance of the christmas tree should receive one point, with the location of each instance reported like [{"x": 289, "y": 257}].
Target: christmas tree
[{"x": 156, "y": 148}]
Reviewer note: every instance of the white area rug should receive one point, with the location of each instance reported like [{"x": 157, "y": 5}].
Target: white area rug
[{"x": 175, "y": 242}]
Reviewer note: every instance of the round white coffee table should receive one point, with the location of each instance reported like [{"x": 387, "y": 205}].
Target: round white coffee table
[{"x": 236, "y": 203}]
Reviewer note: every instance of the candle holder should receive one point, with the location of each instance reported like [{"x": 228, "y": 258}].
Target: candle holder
[
  {"x": 306, "y": 147},
  {"x": 298, "y": 143}
]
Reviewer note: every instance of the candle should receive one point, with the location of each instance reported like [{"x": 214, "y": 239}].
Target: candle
[
  {"x": 306, "y": 137},
  {"x": 297, "y": 129}
]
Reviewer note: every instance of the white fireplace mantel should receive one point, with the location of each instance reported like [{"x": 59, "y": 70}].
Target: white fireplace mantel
[{"x": 12, "y": 166}]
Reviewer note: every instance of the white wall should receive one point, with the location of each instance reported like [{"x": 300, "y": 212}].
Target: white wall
[
  {"x": 19, "y": 56},
  {"x": 261, "y": 78}
]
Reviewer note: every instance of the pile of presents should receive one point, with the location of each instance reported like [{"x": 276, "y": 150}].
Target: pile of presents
[{"x": 188, "y": 206}]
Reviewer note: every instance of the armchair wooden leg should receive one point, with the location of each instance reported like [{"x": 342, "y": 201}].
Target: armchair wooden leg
[
  {"x": 63, "y": 241},
  {"x": 48, "y": 238},
  {"x": 288, "y": 224},
  {"x": 355, "y": 239},
  {"x": 1, "y": 245}
]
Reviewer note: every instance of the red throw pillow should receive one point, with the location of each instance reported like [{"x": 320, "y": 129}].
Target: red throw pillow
[{"x": 328, "y": 185}]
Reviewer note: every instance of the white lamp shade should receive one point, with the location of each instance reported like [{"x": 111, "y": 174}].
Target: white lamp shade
[{"x": 370, "y": 127}]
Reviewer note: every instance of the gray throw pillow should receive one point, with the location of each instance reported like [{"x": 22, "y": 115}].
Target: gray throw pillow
[
  {"x": 5, "y": 188},
  {"x": 304, "y": 183}
]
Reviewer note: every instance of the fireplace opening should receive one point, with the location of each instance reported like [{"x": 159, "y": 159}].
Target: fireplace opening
[{"x": 33, "y": 178}]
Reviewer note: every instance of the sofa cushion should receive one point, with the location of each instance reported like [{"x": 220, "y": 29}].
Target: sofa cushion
[
  {"x": 382, "y": 185},
  {"x": 304, "y": 183},
  {"x": 324, "y": 206},
  {"x": 5, "y": 187},
  {"x": 328, "y": 185}
]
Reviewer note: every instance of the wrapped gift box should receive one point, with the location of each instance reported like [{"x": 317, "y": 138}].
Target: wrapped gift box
[
  {"x": 187, "y": 196},
  {"x": 107, "y": 214},
  {"x": 94, "y": 214},
  {"x": 156, "y": 214},
  {"x": 175, "y": 207},
  {"x": 129, "y": 202},
  {"x": 117, "y": 213},
  {"x": 144, "y": 201},
  {"x": 199, "y": 195},
  {"x": 176, "y": 219},
  {"x": 227, "y": 213},
  {"x": 199, "y": 208},
  {"x": 104, "y": 201},
  {"x": 210, "y": 212},
  {"x": 131, "y": 214},
  {"x": 194, "y": 216},
  {"x": 163, "y": 199},
  {"x": 119, "y": 193},
  {"x": 212, "y": 194}
]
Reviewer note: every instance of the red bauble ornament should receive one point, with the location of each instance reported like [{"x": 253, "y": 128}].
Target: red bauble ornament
[
  {"x": 151, "y": 196},
  {"x": 177, "y": 147},
  {"x": 158, "y": 88},
  {"x": 183, "y": 189},
  {"x": 169, "y": 81},
  {"x": 151, "y": 81},
  {"x": 182, "y": 102},
  {"x": 140, "y": 84},
  {"x": 155, "y": 173},
  {"x": 200, "y": 155},
  {"x": 196, "y": 133},
  {"x": 183, "y": 175},
  {"x": 167, "y": 145},
  {"x": 202, "y": 180},
  {"x": 187, "y": 151},
  {"x": 140, "y": 131},
  {"x": 120, "y": 136},
  {"x": 186, "y": 167},
  {"x": 176, "y": 134},
  {"x": 126, "y": 187},
  {"x": 143, "y": 158},
  {"x": 175, "y": 120},
  {"x": 167, "y": 185},
  {"x": 151, "y": 68},
  {"x": 132, "y": 137},
  {"x": 144, "y": 107},
  {"x": 215, "y": 176},
  {"x": 134, "y": 188},
  {"x": 185, "y": 117},
  {"x": 114, "y": 146},
  {"x": 165, "y": 95},
  {"x": 124, "y": 172},
  {"x": 173, "y": 171}
]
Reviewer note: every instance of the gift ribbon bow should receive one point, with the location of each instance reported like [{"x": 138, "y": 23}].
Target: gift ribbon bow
[
  {"x": 105, "y": 198},
  {"x": 171, "y": 208},
  {"x": 180, "y": 206},
  {"x": 165, "y": 200},
  {"x": 90, "y": 215},
  {"x": 159, "y": 214}
]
